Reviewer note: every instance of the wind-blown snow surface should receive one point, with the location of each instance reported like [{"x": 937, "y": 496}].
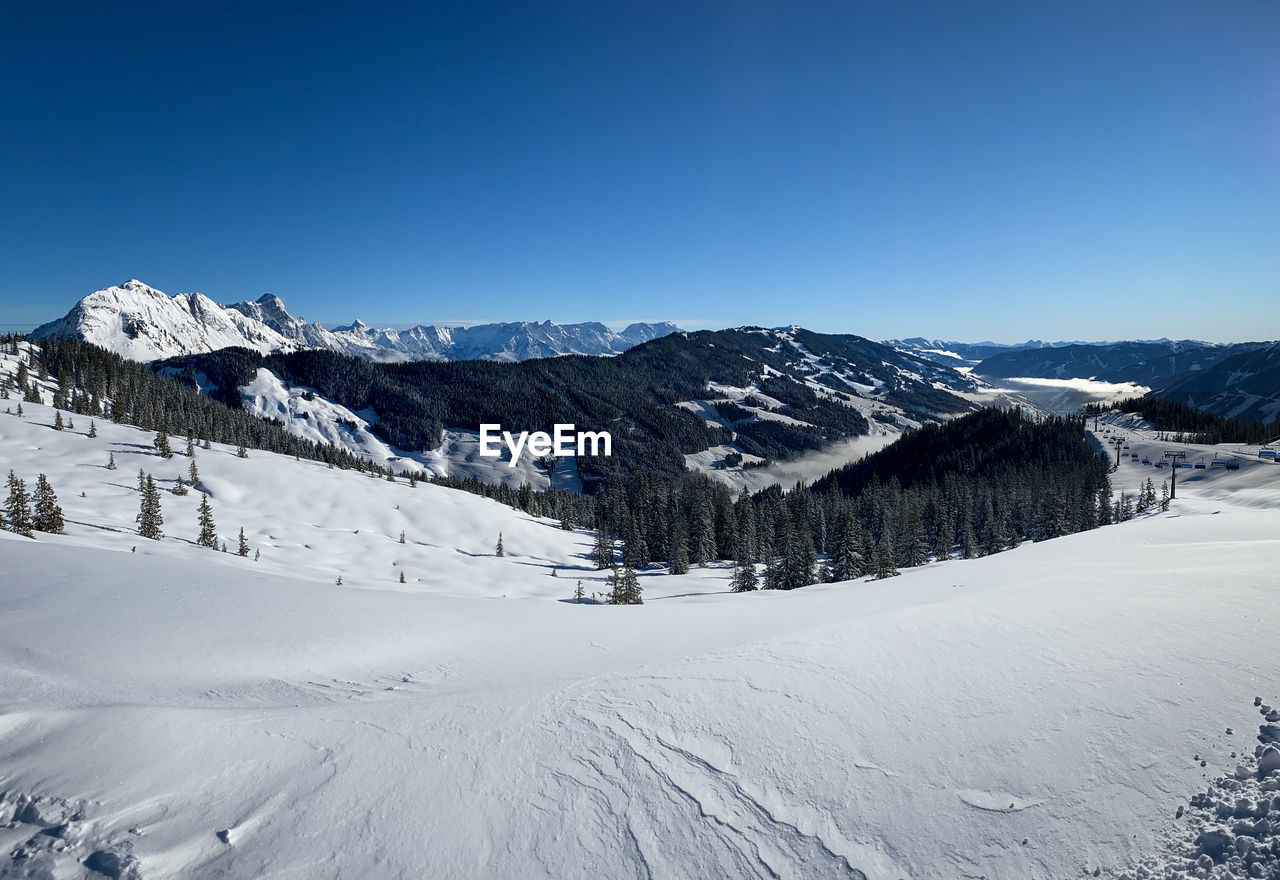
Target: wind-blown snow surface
[{"x": 175, "y": 712}]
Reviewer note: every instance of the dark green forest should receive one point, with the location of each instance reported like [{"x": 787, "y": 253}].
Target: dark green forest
[
  {"x": 631, "y": 395},
  {"x": 1186, "y": 424}
]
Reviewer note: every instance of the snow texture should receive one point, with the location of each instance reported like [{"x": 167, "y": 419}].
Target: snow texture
[{"x": 171, "y": 712}]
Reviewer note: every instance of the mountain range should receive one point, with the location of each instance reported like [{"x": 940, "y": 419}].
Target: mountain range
[
  {"x": 736, "y": 396},
  {"x": 145, "y": 324},
  {"x": 1237, "y": 380}
]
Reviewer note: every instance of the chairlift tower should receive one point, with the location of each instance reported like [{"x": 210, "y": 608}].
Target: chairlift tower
[{"x": 1173, "y": 477}]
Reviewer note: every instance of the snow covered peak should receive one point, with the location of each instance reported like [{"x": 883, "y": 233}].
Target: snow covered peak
[{"x": 143, "y": 323}]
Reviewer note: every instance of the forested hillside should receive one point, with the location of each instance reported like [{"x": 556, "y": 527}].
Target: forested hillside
[
  {"x": 814, "y": 381},
  {"x": 1186, "y": 423}
]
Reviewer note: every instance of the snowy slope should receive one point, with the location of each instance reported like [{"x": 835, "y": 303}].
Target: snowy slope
[
  {"x": 145, "y": 324},
  {"x": 1034, "y": 714},
  {"x": 306, "y": 414}
]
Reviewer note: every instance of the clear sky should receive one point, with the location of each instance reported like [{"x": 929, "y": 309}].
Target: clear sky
[{"x": 957, "y": 170}]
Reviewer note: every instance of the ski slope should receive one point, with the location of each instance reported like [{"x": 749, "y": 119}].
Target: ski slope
[{"x": 168, "y": 711}]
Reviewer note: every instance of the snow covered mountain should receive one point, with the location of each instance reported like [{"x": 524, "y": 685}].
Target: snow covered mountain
[
  {"x": 1244, "y": 385},
  {"x": 145, "y": 324},
  {"x": 1095, "y": 705}
]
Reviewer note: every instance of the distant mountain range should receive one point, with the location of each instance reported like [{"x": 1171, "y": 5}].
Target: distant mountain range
[
  {"x": 145, "y": 324},
  {"x": 1238, "y": 380}
]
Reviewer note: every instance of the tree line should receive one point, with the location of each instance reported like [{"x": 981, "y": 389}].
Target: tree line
[{"x": 1186, "y": 424}]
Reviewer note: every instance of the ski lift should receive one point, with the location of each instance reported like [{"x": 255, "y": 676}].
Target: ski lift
[
  {"x": 1266, "y": 452},
  {"x": 1133, "y": 457},
  {"x": 1217, "y": 464},
  {"x": 1233, "y": 465},
  {"x": 1200, "y": 465},
  {"x": 1146, "y": 461}
]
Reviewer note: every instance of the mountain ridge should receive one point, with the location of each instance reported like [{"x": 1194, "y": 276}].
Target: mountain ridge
[{"x": 143, "y": 323}]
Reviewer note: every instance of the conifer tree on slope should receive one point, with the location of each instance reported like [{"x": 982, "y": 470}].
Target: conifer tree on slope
[
  {"x": 625, "y": 586},
  {"x": 48, "y": 515},
  {"x": 208, "y": 536},
  {"x": 19, "y": 512},
  {"x": 149, "y": 516},
  {"x": 885, "y": 567},
  {"x": 848, "y": 559},
  {"x": 243, "y": 549},
  {"x": 161, "y": 444},
  {"x": 744, "y": 571},
  {"x": 602, "y": 550}
]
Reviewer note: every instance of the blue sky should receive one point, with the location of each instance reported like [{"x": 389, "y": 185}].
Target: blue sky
[{"x": 1080, "y": 170}]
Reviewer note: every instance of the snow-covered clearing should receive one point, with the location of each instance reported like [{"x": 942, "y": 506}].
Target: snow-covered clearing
[
  {"x": 176, "y": 712},
  {"x": 306, "y": 414}
]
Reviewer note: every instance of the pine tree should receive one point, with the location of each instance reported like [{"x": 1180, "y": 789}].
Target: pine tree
[
  {"x": 161, "y": 443},
  {"x": 968, "y": 541},
  {"x": 19, "y": 409},
  {"x": 93, "y": 428},
  {"x": 402, "y": 537},
  {"x": 191, "y": 447},
  {"x": 625, "y": 586},
  {"x": 208, "y": 536},
  {"x": 338, "y": 582},
  {"x": 679, "y": 562},
  {"x": 48, "y": 515},
  {"x": 111, "y": 461},
  {"x": 257, "y": 554},
  {"x": 241, "y": 452},
  {"x": 19, "y": 513},
  {"x": 243, "y": 549},
  {"x": 918, "y": 549},
  {"x": 602, "y": 550},
  {"x": 149, "y": 516},
  {"x": 992, "y": 538},
  {"x": 847, "y": 560},
  {"x": 402, "y": 577},
  {"x": 578, "y": 594},
  {"x": 194, "y": 472},
  {"x": 57, "y": 422},
  {"x": 885, "y": 566},
  {"x": 180, "y": 488},
  {"x": 744, "y": 576},
  {"x": 500, "y": 550}
]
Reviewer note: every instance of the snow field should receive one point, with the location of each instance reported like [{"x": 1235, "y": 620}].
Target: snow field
[{"x": 176, "y": 712}]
